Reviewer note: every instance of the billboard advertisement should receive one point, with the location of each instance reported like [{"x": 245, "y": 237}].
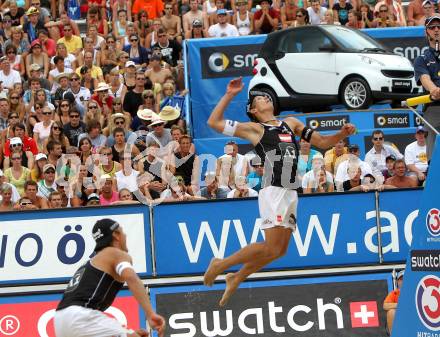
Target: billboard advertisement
[
  {"x": 313, "y": 307},
  {"x": 49, "y": 246},
  {"x": 331, "y": 231},
  {"x": 419, "y": 301},
  {"x": 25, "y": 316},
  {"x": 214, "y": 62}
]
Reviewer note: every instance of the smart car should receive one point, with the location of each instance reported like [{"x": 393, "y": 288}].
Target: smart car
[{"x": 314, "y": 66}]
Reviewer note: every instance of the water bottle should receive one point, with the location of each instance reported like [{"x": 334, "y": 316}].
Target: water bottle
[{"x": 73, "y": 9}]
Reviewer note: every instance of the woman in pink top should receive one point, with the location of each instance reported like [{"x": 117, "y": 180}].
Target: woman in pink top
[{"x": 108, "y": 195}]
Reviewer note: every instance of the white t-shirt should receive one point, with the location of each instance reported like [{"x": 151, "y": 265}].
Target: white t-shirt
[
  {"x": 416, "y": 154},
  {"x": 309, "y": 179},
  {"x": 129, "y": 182},
  {"x": 377, "y": 160},
  {"x": 11, "y": 79},
  {"x": 342, "y": 174},
  {"x": 67, "y": 61},
  {"x": 252, "y": 193},
  {"x": 219, "y": 31},
  {"x": 43, "y": 132},
  {"x": 316, "y": 18}
]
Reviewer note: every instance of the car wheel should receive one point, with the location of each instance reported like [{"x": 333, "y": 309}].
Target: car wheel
[
  {"x": 273, "y": 97},
  {"x": 356, "y": 93}
]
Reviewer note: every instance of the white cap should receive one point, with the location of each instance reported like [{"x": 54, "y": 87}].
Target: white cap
[
  {"x": 40, "y": 156},
  {"x": 130, "y": 64},
  {"x": 15, "y": 141}
]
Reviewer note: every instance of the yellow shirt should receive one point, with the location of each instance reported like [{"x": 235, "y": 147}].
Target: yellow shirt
[
  {"x": 73, "y": 44},
  {"x": 96, "y": 72}
]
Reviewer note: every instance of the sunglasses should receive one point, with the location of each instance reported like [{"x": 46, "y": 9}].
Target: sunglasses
[
  {"x": 383, "y": 11},
  {"x": 120, "y": 122},
  {"x": 117, "y": 103},
  {"x": 432, "y": 27},
  {"x": 16, "y": 158},
  {"x": 299, "y": 16},
  {"x": 140, "y": 79},
  {"x": 14, "y": 97},
  {"x": 148, "y": 96},
  {"x": 74, "y": 116},
  {"x": 50, "y": 172},
  {"x": 64, "y": 105},
  {"x": 15, "y": 145},
  {"x": 47, "y": 113},
  {"x": 93, "y": 107},
  {"x": 157, "y": 125},
  {"x": 135, "y": 40},
  {"x": 74, "y": 79},
  {"x": 13, "y": 116},
  {"x": 162, "y": 35},
  {"x": 10, "y": 52},
  {"x": 56, "y": 128},
  {"x": 378, "y": 138},
  {"x": 107, "y": 154},
  {"x": 25, "y": 203},
  {"x": 110, "y": 41}
]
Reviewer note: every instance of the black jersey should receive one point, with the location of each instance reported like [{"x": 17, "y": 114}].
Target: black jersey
[
  {"x": 279, "y": 152},
  {"x": 90, "y": 288}
]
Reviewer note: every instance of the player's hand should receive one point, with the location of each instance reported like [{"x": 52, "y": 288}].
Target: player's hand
[
  {"x": 235, "y": 86},
  {"x": 142, "y": 333},
  {"x": 157, "y": 322},
  {"x": 348, "y": 129}
]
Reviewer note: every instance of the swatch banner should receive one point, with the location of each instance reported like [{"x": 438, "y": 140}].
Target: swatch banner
[
  {"x": 32, "y": 315},
  {"x": 332, "y": 231},
  {"x": 214, "y": 62},
  {"x": 314, "y": 307},
  {"x": 419, "y": 301}
]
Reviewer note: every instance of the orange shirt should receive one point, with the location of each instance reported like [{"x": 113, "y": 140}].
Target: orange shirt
[
  {"x": 154, "y": 8},
  {"x": 393, "y": 296}
]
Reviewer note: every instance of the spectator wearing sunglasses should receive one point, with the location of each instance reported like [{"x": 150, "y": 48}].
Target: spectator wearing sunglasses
[
  {"x": 47, "y": 185},
  {"x": 395, "y": 11},
  {"x": 376, "y": 157},
  {"x": 19, "y": 130},
  {"x": 16, "y": 149},
  {"x": 137, "y": 53}
]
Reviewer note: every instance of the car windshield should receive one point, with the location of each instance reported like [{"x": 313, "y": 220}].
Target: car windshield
[{"x": 354, "y": 40}]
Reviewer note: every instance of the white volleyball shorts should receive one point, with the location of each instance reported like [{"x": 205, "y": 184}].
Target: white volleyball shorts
[
  {"x": 278, "y": 207},
  {"x": 77, "y": 321}
]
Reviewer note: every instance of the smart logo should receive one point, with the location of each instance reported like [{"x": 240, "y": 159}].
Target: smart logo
[
  {"x": 391, "y": 120},
  {"x": 327, "y": 123},
  {"x": 433, "y": 222},
  {"x": 228, "y": 61},
  {"x": 218, "y": 62},
  {"x": 428, "y": 302}
]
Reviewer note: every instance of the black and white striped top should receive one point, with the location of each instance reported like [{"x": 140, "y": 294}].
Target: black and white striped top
[{"x": 90, "y": 288}]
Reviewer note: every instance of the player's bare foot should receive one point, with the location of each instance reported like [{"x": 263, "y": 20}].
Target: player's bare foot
[
  {"x": 212, "y": 272},
  {"x": 231, "y": 287}
]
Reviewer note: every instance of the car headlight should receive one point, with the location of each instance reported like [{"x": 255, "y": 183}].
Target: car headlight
[{"x": 371, "y": 61}]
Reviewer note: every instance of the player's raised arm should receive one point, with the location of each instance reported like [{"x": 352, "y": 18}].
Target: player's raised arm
[
  {"x": 315, "y": 138},
  {"x": 232, "y": 128}
]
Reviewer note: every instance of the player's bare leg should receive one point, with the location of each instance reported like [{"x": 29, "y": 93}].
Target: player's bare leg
[{"x": 254, "y": 257}]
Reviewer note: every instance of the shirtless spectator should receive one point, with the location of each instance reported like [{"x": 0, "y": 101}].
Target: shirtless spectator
[
  {"x": 415, "y": 13},
  {"x": 399, "y": 179},
  {"x": 288, "y": 13},
  {"x": 30, "y": 192},
  {"x": 155, "y": 72},
  {"x": 55, "y": 200},
  {"x": 415, "y": 155},
  {"x": 266, "y": 19},
  {"x": 193, "y": 14},
  {"x": 172, "y": 23}
]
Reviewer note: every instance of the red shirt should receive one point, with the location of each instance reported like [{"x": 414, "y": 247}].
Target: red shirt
[
  {"x": 109, "y": 102},
  {"x": 28, "y": 145},
  {"x": 51, "y": 47},
  {"x": 154, "y": 8},
  {"x": 266, "y": 27}
]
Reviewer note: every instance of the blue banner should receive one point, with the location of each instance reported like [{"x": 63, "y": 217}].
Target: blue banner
[
  {"x": 49, "y": 246},
  {"x": 213, "y": 62},
  {"x": 332, "y": 230},
  {"x": 342, "y": 306},
  {"x": 419, "y": 301}
]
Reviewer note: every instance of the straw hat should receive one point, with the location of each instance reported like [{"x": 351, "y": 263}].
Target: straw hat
[
  {"x": 168, "y": 113},
  {"x": 102, "y": 86},
  {"x": 119, "y": 115},
  {"x": 145, "y": 114}
]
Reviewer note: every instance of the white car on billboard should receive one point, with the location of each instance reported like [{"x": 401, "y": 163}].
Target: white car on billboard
[{"x": 314, "y": 66}]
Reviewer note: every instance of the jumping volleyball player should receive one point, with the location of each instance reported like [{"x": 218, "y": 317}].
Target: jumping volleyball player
[
  {"x": 95, "y": 285},
  {"x": 275, "y": 144}
]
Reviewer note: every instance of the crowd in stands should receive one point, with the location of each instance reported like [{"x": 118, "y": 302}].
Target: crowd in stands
[{"x": 98, "y": 118}]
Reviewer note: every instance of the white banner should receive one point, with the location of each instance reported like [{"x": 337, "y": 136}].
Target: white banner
[{"x": 37, "y": 249}]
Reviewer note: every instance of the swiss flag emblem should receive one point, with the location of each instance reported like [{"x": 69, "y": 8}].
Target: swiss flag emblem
[
  {"x": 364, "y": 314},
  {"x": 285, "y": 138}
]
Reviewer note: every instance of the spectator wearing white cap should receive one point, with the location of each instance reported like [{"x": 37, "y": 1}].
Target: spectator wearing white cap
[
  {"x": 17, "y": 174},
  {"x": 428, "y": 11},
  {"x": 37, "y": 170},
  {"x": 222, "y": 28},
  {"x": 416, "y": 159},
  {"x": 16, "y": 147},
  {"x": 19, "y": 130},
  {"x": 47, "y": 185}
]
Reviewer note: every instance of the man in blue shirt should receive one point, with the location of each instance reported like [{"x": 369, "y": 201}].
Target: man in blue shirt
[
  {"x": 255, "y": 177},
  {"x": 427, "y": 73}
]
